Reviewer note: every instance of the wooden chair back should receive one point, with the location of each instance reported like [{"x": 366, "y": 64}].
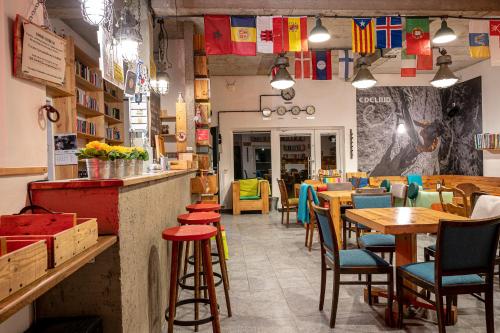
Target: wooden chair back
[
  {"x": 468, "y": 188},
  {"x": 283, "y": 193},
  {"x": 400, "y": 191},
  {"x": 310, "y": 203},
  {"x": 372, "y": 200},
  {"x": 452, "y": 208}
]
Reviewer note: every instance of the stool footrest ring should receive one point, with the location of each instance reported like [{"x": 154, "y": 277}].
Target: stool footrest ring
[
  {"x": 191, "y": 287},
  {"x": 190, "y": 322}
]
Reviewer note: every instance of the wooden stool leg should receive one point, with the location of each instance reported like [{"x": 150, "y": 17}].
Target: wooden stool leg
[
  {"x": 223, "y": 268},
  {"x": 209, "y": 274},
  {"x": 186, "y": 263},
  {"x": 205, "y": 295},
  {"x": 197, "y": 263},
  {"x": 179, "y": 263},
  {"x": 173, "y": 286}
]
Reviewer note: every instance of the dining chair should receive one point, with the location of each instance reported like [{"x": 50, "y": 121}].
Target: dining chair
[
  {"x": 468, "y": 188},
  {"x": 386, "y": 183},
  {"x": 312, "y": 218},
  {"x": 375, "y": 242},
  {"x": 450, "y": 207},
  {"x": 412, "y": 192},
  {"x": 342, "y": 262},
  {"x": 287, "y": 204},
  {"x": 415, "y": 178},
  {"x": 465, "y": 257},
  {"x": 399, "y": 191}
]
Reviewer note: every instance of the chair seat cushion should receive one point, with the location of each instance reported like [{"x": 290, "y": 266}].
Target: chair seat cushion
[
  {"x": 293, "y": 201},
  {"x": 377, "y": 240},
  {"x": 425, "y": 271},
  {"x": 250, "y": 197},
  {"x": 360, "y": 257},
  {"x": 249, "y": 187}
]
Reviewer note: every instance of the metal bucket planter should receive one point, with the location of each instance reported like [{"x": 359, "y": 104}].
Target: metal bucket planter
[
  {"x": 117, "y": 168},
  {"x": 129, "y": 168},
  {"x": 97, "y": 169},
  {"x": 139, "y": 164}
]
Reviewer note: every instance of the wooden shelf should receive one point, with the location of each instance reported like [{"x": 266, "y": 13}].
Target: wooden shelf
[
  {"x": 88, "y": 136},
  {"x": 55, "y": 91},
  {"x": 22, "y": 171},
  {"x": 87, "y": 111},
  {"x": 31, "y": 292},
  {"x": 85, "y": 84},
  {"x": 112, "y": 120},
  {"x": 168, "y": 118},
  {"x": 168, "y": 136},
  {"x": 113, "y": 141},
  {"x": 108, "y": 98},
  {"x": 492, "y": 150}
]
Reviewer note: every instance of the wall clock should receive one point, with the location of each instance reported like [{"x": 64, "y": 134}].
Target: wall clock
[
  {"x": 266, "y": 112},
  {"x": 295, "y": 110},
  {"x": 310, "y": 110},
  {"x": 281, "y": 110},
  {"x": 288, "y": 94}
]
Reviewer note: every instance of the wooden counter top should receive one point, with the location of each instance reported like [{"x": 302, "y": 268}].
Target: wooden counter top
[
  {"x": 31, "y": 292},
  {"x": 85, "y": 183}
]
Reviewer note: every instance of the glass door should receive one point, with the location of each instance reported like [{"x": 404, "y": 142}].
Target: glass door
[
  {"x": 296, "y": 164},
  {"x": 327, "y": 153}
]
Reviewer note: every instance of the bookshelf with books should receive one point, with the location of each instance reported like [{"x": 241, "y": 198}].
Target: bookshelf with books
[
  {"x": 113, "y": 113},
  {"x": 488, "y": 141}
]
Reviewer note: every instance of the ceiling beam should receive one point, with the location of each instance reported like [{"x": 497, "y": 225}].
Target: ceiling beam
[{"x": 328, "y": 7}]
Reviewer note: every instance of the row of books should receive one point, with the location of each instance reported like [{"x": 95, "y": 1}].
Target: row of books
[
  {"x": 113, "y": 133},
  {"x": 88, "y": 74},
  {"x": 86, "y": 100},
  {"x": 487, "y": 141},
  {"x": 112, "y": 112},
  {"x": 85, "y": 126}
]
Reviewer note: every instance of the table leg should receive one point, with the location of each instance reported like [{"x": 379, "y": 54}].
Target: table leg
[{"x": 337, "y": 221}]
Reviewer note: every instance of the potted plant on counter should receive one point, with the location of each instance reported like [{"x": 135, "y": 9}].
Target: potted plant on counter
[
  {"x": 95, "y": 155},
  {"x": 140, "y": 155}
]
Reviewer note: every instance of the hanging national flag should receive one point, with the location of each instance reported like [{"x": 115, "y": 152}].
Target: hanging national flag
[
  {"x": 495, "y": 42},
  {"x": 243, "y": 35},
  {"x": 346, "y": 64},
  {"x": 303, "y": 65},
  {"x": 322, "y": 65},
  {"x": 289, "y": 34},
  {"x": 425, "y": 62},
  {"x": 408, "y": 62},
  {"x": 265, "y": 34},
  {"x": 217, "y": 34},
  {"x": 389, "y": 32},
  {"x": 418, "y": 40},
  {"x": 479, "y": 40},
  {"x": 362, "y": 35},
  {"x": 494, "y": 27}
]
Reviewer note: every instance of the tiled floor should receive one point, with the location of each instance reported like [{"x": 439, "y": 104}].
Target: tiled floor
[{"x": 275, "y": 287}]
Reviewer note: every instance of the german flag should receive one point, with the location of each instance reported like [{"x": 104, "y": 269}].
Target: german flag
[
  {"x": 243, "y": 35},
  {"x": 362, "y": 35}
]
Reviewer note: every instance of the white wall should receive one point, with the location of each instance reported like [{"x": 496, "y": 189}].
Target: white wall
[
  {"x": 23, "y": 139},
  {"x": 490, "y": 81},
  {"x": 335, "y": 103}
]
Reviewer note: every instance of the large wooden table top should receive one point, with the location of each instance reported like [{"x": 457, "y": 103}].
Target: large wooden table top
[{"x": 401, "y": 220}]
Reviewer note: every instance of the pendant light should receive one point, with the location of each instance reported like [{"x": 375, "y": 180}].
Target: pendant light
[
  {"x": 444, "y": 77},
  {"x": 282, "y": 80},
  {"x": 161, "y": 84},
  {"x": 95, "y": 11},
  {"x": 445, "y": 34},
  {"x": 319, "y": 33},
  {"x": 401, "y": 129},
  {"x": 363, "y": 78},
  {"x": 128, "y": 34}
]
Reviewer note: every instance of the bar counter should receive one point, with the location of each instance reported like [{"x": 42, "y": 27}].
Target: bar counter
[{"x": 127, "y": 284}]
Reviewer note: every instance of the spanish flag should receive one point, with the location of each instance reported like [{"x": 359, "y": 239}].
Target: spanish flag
[
  {"x": 243, "y": 35},
  {"x": 290, "y": 34}
]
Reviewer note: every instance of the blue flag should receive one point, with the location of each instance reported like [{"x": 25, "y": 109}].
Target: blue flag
[{"x": 389, "y": 32}]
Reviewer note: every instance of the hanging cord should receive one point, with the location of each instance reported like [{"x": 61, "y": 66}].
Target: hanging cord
[
  {"x": 46, "y": 22},
  {"x": 52, "y": 113},
  {"x": 163, "y": 46}
]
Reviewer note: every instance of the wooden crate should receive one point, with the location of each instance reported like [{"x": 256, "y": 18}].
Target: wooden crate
[
  {"x": 200, "y": 66},
  {"x": 203, "y": 110},
  {"x": 202, "y": 136},
  {"x": 204, "y": 185},
  {"x": 180, "y": 165},
  {"x": 201, "y": 89},
  {"x": 199, "y": 43},
  {"x": 64, "y": 239},
  {"x": 203, "y": 161},
  {"x": 21, "y": 263}
]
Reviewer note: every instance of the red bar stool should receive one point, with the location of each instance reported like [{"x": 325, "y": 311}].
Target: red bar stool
[
  {"x": 206, "y": 218},
  {"x": 201, "y": 235},
  {"x": 203, "y": 207}
]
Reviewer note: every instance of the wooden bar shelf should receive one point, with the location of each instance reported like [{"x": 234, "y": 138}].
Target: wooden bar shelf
[
  {"x": 87, "y": 111},
  {"x": 31, "y": 292},
  {"x": 85, "y": 84},
  {"x": 88, "y": 136},
  {"x": 109, "y": 98},
  {"x": 168, "y": 118},
  {"x": 112, "y": 120},
  {"x": 113, "y": 141},
  {"x": 18, "y": 171}
]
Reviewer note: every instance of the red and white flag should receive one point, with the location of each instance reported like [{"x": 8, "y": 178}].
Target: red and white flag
[
  {"x": 265, "y": 34},
  {"x": 495, "y": 42},
  {"x": 303, "y": 65},
  {"x": 425, "y": 62}
]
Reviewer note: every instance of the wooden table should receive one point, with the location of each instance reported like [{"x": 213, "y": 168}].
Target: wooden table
[
  {"x": 403, "y": 222},
  {"x": 336, "y": 199}
]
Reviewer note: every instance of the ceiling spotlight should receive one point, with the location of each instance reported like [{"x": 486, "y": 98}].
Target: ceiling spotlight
[
  {"x": 445, "y": 34},
  {"x": 444, "y": 77},
  {"x": 401, "y": 126},
  {"x": 363, "y": 78},
  {"x": 129, "y": 35},
  {"x": 94, "y": 11},
  {"x": 282, "y": 80},
  {"x": 319, "y": 33}
]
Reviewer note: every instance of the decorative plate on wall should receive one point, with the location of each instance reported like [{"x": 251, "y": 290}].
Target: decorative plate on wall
[{"x": 281, "y": 110}]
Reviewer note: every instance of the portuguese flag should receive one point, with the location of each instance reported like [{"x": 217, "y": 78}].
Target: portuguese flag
[{"x": 418, "y": 40}]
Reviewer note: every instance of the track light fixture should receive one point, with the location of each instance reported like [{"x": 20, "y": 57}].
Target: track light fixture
[
  {"x": 319, "y": 33},
  {"x": 363, "y": 78},
  {"x": 282, "y": 80},
  {"x": 445, "y": 34},
  {"x": 444, "y": 77}
]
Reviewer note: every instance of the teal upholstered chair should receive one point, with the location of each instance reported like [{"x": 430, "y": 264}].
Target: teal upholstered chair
[
  {"x": 465, "y": 257},
  {"x": 386, "y": 183},
  {"x": 415, "y": 178},
  {"x": 412, "y": 192},
  {"x": 374, "y": 242},
  {"x": 356, "y": 261}
]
